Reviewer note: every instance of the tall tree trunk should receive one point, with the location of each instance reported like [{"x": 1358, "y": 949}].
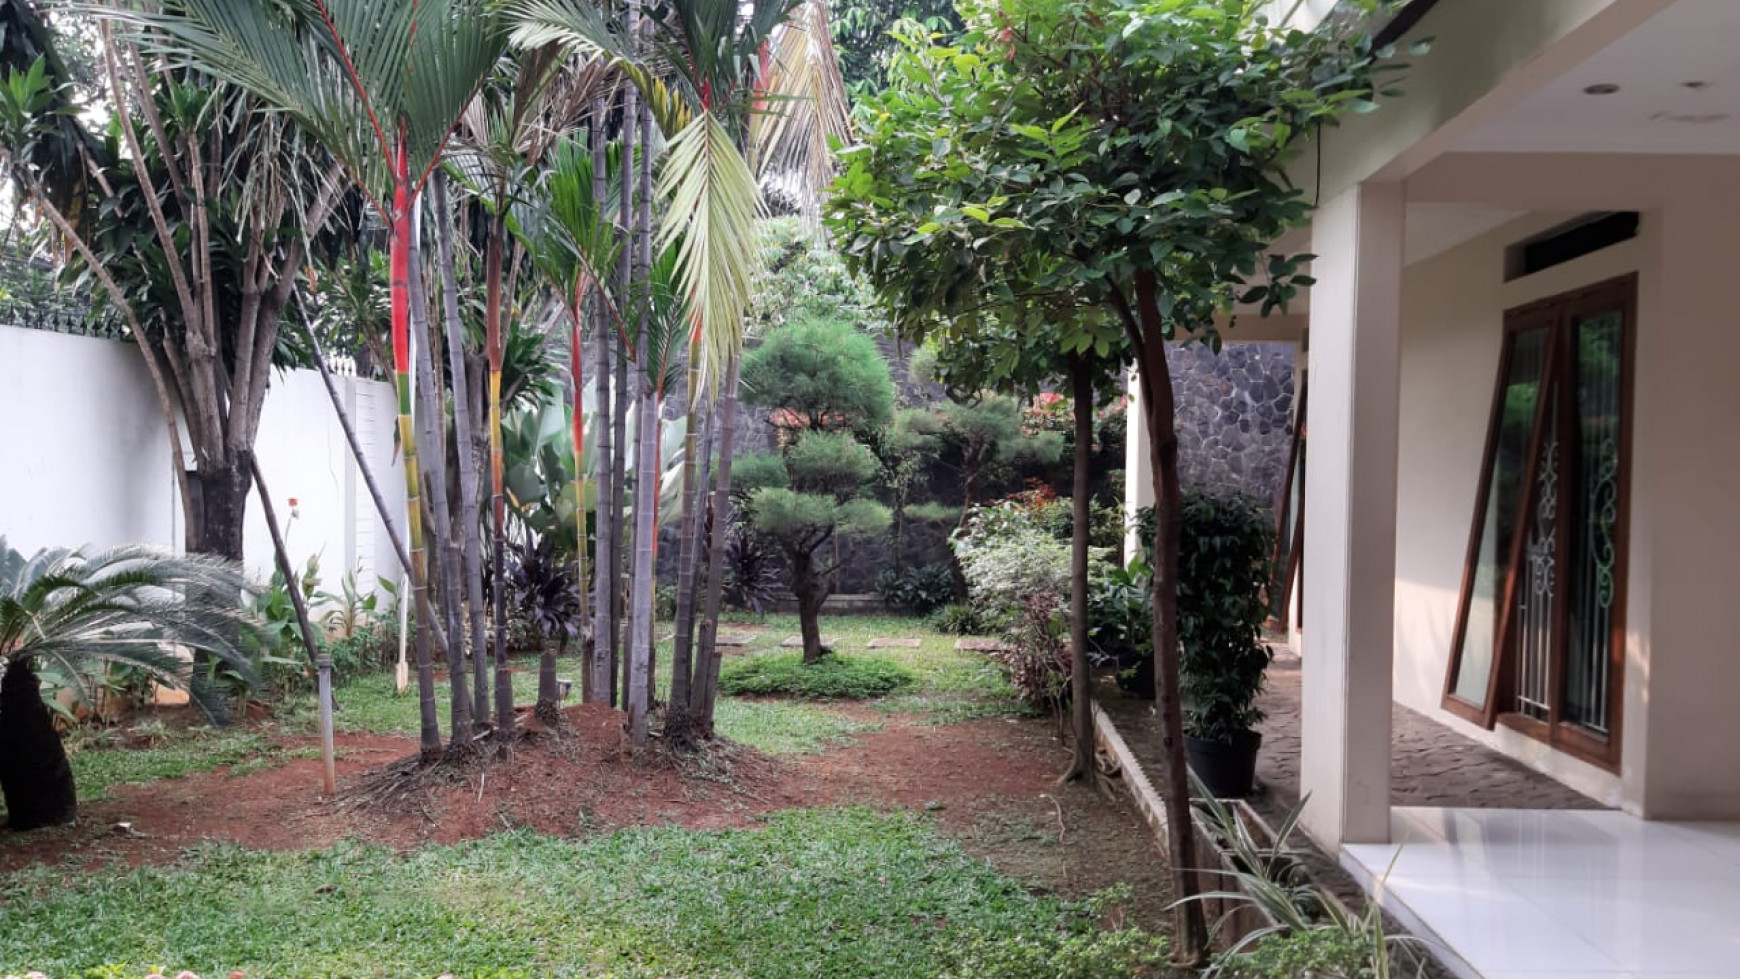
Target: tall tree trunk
[
  {"x": 220, "y": 502},
  {"x": 706, "y": 692},
  {"x": 695, "y": 452},
  {"x": 1191, "y": 932},
  {"x": 642, "y": 579},
  {"x": 653, "y": 393},
  {"x": 362, "y": 465},
  {"x": 471, "y": 558},
  {"x": 627, "y": 390},
  {"x": 429, "y": 737},
  {"x": 811, "y": 592},
  {"x": 1081, "y": 704},
  {"x": 433, "y": 452},
  {"x": 598, "y": 686},
  {"x": 504, "y": 680},
  {"x": 35, "y": 776}
]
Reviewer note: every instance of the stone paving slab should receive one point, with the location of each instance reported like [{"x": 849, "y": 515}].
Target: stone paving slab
[
  {"x": 794, "y": 642},
  {"x": 883, "y": 642},
  {"x": 733, "y": 639},
  {"x": 980, "y": 644}
]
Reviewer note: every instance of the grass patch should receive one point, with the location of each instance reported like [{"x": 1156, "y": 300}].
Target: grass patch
[
  {"x": 100, "y": 763},
  {"x": 835, "y": 677},
  {"x": 948, "y": 686},
  {"x": 784, "y": 728},
  {"x": 838, "y": 893}
]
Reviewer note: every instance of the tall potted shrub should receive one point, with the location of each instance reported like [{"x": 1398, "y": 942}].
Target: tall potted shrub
[{"x": 1223, "y": 575}]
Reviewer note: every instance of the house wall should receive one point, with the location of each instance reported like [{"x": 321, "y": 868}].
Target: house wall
[
  {"x": 85, "y": 458},
  {"x": 1681, "y": 680},
  {"x": 1452, "y": 329}
]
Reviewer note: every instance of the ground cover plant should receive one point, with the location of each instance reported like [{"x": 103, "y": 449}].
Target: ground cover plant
[
  {"x": 834, "y": 677},
  {"x": 847, "y": 893}
]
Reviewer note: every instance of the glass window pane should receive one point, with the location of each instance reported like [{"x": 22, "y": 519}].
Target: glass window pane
[
  {"x": 1594, "y": 522},
  {"x": 1501, "y": 496}
]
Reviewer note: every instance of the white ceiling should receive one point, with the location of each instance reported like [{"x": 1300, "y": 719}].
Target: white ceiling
[{"x": 1654, "y": 110}]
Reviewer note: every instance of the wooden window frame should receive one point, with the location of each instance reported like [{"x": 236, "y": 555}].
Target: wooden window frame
[
  {"x": 1560, "y": 314},
  {"x": 1286, "y": 578}
]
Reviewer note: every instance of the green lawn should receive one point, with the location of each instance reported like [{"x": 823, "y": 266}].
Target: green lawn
[
  {"x": 847, "y": 894},
  {"x": 951, "y": 686},
  {"x": 100, "y": 762}
]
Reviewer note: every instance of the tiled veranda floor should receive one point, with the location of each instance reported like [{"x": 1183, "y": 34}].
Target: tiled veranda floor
[{"x": 1558, "y": 894}]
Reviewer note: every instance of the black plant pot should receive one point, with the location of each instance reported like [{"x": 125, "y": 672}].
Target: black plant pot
[{"x": 1227, "y": 770}]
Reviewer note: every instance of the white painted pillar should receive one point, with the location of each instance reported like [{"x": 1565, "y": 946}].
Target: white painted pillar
[
  {"x": 1138, "y": 478},
  {"x": 1350, "y": 515}
]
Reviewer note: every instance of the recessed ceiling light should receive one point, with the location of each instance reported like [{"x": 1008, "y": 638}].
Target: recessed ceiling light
[{"x": 1601, "y": 88}]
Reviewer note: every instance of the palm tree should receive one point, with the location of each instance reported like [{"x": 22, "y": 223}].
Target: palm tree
[
  {"x": 73, "y": 614},
  {"x": 711, "y": 68},
  {"x": 573, "y": 246},
  {"x": 381, "y": 85}
]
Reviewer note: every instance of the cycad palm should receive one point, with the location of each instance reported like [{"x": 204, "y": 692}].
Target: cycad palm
[
  {"x": 381, "y": 84},
  {"x": 75, "y": 614}
]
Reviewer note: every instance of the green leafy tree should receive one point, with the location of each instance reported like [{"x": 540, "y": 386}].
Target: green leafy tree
[
  {"x": 827, "y": 384},
  {"x": 863, "y": 35},
  {"x": 1126, "y": 154}
]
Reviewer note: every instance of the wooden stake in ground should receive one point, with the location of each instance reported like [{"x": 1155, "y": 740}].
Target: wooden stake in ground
[{"x": 322, "y": 662}]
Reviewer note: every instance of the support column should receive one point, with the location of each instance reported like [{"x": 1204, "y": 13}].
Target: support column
[{"x": 1350, "y": 515}]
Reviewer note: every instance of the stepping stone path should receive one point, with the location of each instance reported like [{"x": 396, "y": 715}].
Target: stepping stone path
[
  {"x": 885, "y": 643},
  {"x": 730, "y": 639},
  {"x": 979, "y": 644},
  {"x": 794, "y": 642}
]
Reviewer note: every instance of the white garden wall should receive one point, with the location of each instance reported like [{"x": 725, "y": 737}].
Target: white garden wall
[{"x": 84, "y": 458}]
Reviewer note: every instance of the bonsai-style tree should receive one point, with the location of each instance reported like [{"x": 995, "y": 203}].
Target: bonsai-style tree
[
  {"x": 826, "y": 384},
  {"x": 1125, "y": 153}
]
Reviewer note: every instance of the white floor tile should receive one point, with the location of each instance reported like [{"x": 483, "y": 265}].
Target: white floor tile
[
  {"x": 1494, "y": 929},
  {"x": 1659, "y": 924},
  {"x": 1524, "y": 894}
]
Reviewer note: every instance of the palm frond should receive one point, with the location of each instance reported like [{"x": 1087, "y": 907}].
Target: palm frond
[
  {"x": 713, "y": 202},
  {"x": 359, "y": 75},
  {"x": 803, "y": 110},
  {"x": 131, "y": 605}
]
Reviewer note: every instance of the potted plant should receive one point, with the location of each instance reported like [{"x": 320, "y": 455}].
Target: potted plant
[{"x": 1223, "y": 573}]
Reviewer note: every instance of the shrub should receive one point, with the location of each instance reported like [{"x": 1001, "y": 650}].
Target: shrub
[
  {"x": 1121, "y": 616},
  {"x": 920, "y": 590},
  {"x": 1090, "y": 953},
  {"x": 1006, "y": 555},
  {"x": 833, "y": 678},
  {"x": 1223, "y": 576},
  {"x": 960, "y": 620},
  {"x": 1323, "y": 953},
  {"x": 1038, "y": 658}
]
